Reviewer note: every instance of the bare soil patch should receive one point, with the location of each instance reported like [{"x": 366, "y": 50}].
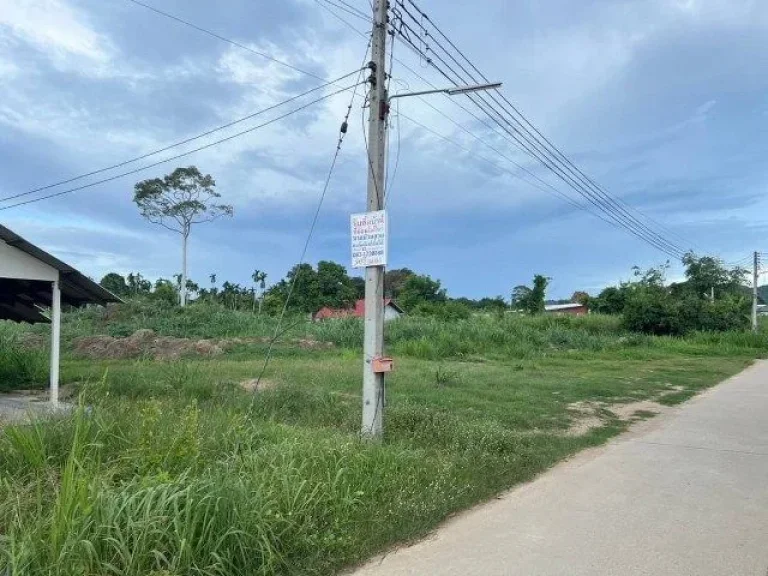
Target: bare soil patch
[
  {"x": 254, "y": 385},
  {"x": 145, "y": 343},
  {"x": 591, "y": 415}
]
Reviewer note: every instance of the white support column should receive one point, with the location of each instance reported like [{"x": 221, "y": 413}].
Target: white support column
[{"x": 55, "y": 342}]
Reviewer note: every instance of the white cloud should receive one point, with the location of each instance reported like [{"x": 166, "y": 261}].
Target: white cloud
[{"x": 55, "y": 28}]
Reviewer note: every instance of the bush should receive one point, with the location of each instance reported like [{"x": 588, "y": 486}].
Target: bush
[{"x": 657, "y": 312}]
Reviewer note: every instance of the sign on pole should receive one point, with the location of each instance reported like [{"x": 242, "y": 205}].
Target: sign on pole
[{"x": 369, "y": 239}]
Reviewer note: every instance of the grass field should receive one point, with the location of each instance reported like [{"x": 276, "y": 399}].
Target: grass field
[{"x": 172, "y": 468}]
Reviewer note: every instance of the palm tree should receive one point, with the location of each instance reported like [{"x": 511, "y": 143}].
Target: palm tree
[
  {"x": 260, "y": 279},
  {"x": 212, "y": 278}
]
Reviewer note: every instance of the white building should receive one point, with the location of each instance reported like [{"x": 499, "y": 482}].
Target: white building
[{"x": 32, "y": 280}]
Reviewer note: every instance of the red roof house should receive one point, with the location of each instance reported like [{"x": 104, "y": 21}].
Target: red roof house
[{"x": 391, "y": 311}]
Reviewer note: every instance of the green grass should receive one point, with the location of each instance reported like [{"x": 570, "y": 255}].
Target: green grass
[
  {"x": 173, "y": 469},
  {"x": 20, "y": 367}
]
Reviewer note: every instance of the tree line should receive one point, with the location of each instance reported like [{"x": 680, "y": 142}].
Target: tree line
[
  {"x": 310, "y": 288},
  {"x": 712, "y": 296}
]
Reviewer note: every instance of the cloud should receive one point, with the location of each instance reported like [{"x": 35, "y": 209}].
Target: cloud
[
  {"x": 55, "y": 28},
  {"x": 85, "y": 90}
]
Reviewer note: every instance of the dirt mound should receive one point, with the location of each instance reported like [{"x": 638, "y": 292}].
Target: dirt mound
[{"x": 146, "y": 344}]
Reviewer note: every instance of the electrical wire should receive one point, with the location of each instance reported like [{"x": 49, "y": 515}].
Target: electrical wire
[
  {"x": 565, "y": 169},
  {"x": 622, "y": 217},
  {"x": 348, "y": 8},
  {"x": 486, "y": 160},
  {"x": 529, "y": 124},
  {"x": 616, "y": 221},
  {"x": 223, "y": 38},
  {"x": 181, "y": 142},
  {"x": 558, "y": 169},
  {"x": 342, "y": 133},
  {"x": 505, "y": 136},
  {"x": 391, "y": 176},
  {"x": 182, "y": 155}
]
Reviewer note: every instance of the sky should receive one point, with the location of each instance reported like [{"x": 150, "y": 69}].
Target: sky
[{"x": 663, "y": 102}]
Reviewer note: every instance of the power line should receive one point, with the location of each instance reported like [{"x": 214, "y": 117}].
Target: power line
[
  {"x": 566, "y": 168},
  {"x": 557, "y": 192},
  {"x": 617, "y": 215},
  {"x": 342, "y": 133},
  {"x": 551, "y": 162},
  {"x": 179, "y": 143},
  {"x": 528, "y": 123},
  {"x": 553, "y": 191},
  {"x": 224, "y": 38},
  {"x": 625, "y": 219},
  {"x": 176, "y": 157},
  {"x": 348, "y": 8}
]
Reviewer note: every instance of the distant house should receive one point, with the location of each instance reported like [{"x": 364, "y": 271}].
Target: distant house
[
  {"x": 570, "y": 309},
  {"x": 391, "y": 311}
]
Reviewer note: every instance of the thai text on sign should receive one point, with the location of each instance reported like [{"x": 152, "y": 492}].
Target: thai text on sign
[{"x": 369, "y": 239}]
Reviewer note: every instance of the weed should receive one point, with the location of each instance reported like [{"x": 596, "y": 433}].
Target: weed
[{"x": 20, "y": 367}]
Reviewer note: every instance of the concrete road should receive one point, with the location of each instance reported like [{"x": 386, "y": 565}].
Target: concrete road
[
  {"x": 18, "y": 407},
  {"x": 682, "y": 494}
]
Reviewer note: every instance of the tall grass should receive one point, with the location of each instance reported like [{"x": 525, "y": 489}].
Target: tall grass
[
  {"x": 182, "y": 489},
  {"x": 173, "y": 470},
  {"x": 20, "y": 367},
  {"x": 511, "y": 336}
]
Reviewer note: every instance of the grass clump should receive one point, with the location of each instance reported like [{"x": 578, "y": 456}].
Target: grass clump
[{"x": 21, "y": 367}]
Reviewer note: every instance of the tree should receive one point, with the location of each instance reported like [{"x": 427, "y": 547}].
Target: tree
[
  {"x": 137, "y": 284},
  {"x": 212, "y": 278},
  {"x": 301, "y": 285},
  {"x": 420, "y": 289},
  {"x": 335, "y": 287},
  {"x": 359, "y": 283},
  {"x": 704, "y": 274},
  {"x": 497, "y": 304},
  {"x": 520, "y": 296},
  {"x": 394, "y": 281},
  {"x": 580, "y": 297},
  {"x": 259, "y": 279},
  {"x": 115, "y": 283},
  {"x": 610, "y": 301},
  {"x": 531, "y": 300},
  {"x": 178, "y": 201},
  {"x": 165, "y": 291},
  {"x": 329, "y": 285}
]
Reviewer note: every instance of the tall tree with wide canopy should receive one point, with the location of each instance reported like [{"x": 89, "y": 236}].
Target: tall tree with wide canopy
[{"x": 178, "y": 201}]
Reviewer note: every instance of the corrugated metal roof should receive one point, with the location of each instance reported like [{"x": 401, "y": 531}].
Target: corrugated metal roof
[
  {"x": 20, "y": 299},
  {"x": 553, "y": 307}
]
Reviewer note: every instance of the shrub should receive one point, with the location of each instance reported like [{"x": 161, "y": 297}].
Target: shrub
[{"x": 655, "y": 311}]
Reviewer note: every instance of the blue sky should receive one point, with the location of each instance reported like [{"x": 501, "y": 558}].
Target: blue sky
[{"x": 664, "y": 102}]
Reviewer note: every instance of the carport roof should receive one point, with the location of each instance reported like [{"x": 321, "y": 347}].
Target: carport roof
[{"x": 20, "y": 299}]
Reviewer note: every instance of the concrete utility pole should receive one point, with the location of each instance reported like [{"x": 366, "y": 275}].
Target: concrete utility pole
[
  {"x": 755, "y": 266},
  {"x": 373, "y": 341}
]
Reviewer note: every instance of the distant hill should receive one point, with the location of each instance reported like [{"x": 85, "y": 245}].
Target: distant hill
[{"x": 762, "y": 294}]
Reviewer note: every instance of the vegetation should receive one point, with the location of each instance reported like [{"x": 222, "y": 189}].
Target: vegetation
[
  {"x": 711, "y": 298},
  {"x": 181, "y": 467},
  {"x": 531, "y": 300},
  {"x": 178, "y": 201},
  {"x": 173, "y": 468},
  {"x": 20, "y": 366}
]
